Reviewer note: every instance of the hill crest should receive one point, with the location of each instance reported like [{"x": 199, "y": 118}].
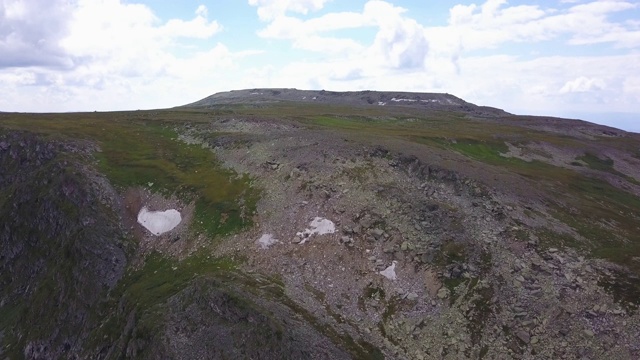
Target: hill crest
[{"x": 431, "y": 101}]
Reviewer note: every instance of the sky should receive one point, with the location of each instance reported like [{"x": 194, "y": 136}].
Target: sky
[{"x": 567, "y": 58}]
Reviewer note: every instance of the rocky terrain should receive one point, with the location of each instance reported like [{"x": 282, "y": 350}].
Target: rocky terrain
[{"x": 456, "y": 231}]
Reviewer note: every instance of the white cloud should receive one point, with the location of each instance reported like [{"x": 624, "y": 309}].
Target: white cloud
[
  {"x": 202, "y": 11},
  {"x": 18, "y": 77},
  {"x": 603, "y": 7},
  {"x": 399, "y": 43},
  {"x": 327, "y": 45},
  {"x": 582, "y": 84},
  {"x": 122, "y": 56},
  {"x": 286, "y": 27},
  {"x": 30, "y": 32},
  {"x": 271, "y": 9},
  {"x": 631, "y": 86},
  {"x": 473, "y": 27},
  {"x": 102, "y": 28},
  {"x": 622, "y": 38}
]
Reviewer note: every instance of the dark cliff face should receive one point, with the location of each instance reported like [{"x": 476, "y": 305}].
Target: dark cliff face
[{"x": 60, "y": 247}]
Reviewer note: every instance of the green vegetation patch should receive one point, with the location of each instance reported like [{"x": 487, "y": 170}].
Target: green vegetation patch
[
  {"x": 161, "y": 277},
  {"x": 600, "y": 212},
  {"x": 552, "y": 239},
  {"x": 451, "y": 252},
  {"x": 152, "y": 155},
  {"x": 373, "y": 292},
  {"x": 608, "y": 218},
  {"x": 624, "y": 288},
  {"x": 361, "y": 173},
  {"x": 478, "y": 314},
  {"x": 144, "y": 292},
  {"x": 484, "y": 151},
  {"x": 605, "y": 165},
  {"x": 597, "y": 163},
  {"x": 605, "y": 215},
  {"x": 136, "y": 149},
  {"x": 490, "y": 152},
  {"x": 339, "y": 122}
]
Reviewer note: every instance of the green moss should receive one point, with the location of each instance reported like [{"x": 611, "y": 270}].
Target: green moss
[
  {"x": 161, "y": 277},
  {"x": 479, "y": 313},
  {"x": 608, "y": 218},
  {"x": 373, "y": 292},
  {"x": 360, "y": 174},
  {"x": 225, "y": 202},
  {"x": 624, "y": 287},
  {"x": 599, "y": 190},
  {"x": 144, "y": 292},
  {"x": 451, "y": 284},
  {"x": 552, "y": 239},
  {"x": 391, "y": 309},
  {"x": 490, "y": 152},
  {"x": 319, "y": 295},
  {"x": 486, "y": 260},
  {"x": 146, "y": 153},
  {"x": 605, "y": 165},
  {"x": 451, "y": 252},
  {"x": 224, "y": 217},
  {"x": 483, "y": 351},
  {"x": 339, "y": 122},
  {"x": 597, "y": 163},
  {"x": 482, "y": 150}
]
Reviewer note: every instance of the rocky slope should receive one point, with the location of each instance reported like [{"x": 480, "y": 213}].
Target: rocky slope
[
  {"x": 460, "y": 232},
  {"x": 474, "y": 278}
]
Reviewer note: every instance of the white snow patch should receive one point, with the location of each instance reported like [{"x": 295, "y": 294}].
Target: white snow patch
[
  {"x": 390, "y": 272},
  {"x": 159, "y": 222},
  {"x": 398, "y": 100},
  {"x": 319, "y": 226},
  {"x": 266, "y": 240},
  {"x": 382, "y": 103}
]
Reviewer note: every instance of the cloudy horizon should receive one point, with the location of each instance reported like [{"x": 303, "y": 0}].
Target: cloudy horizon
[{"x": 566, "y": 58}]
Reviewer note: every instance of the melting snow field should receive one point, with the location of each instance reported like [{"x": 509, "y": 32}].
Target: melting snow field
[
  {"x": 266, "y": 240},
  {"x": 390, "y": 272},
  {"x": 159, "y": 222},
  {"x": 319, "y": 226}
]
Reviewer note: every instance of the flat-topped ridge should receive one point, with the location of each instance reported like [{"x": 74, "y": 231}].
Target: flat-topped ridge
[{"x": 354, "y": 98}]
